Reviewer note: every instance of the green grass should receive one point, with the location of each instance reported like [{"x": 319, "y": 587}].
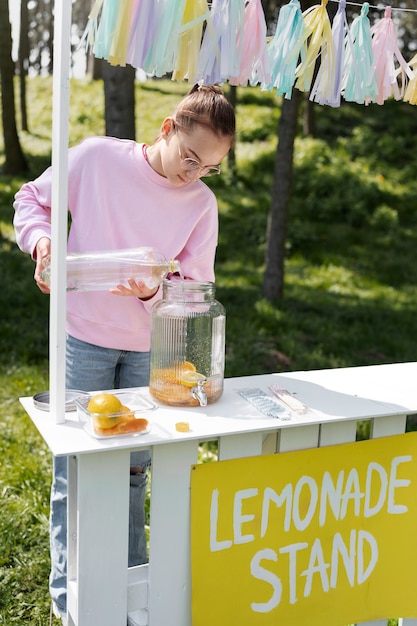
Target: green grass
[{"x": 350, "y": 293}]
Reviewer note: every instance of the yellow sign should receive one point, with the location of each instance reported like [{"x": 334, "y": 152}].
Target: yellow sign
[{"x": 323, "y": 537}]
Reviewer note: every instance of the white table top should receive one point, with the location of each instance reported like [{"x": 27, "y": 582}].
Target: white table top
[{"x": 331, "y": 395}]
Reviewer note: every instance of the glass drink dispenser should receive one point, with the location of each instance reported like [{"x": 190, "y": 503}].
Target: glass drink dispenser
[{"x": 187, "y": 345}]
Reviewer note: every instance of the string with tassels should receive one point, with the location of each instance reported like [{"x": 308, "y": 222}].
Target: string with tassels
[
  {"x": 326, "y": 88},
  {"x": 385, "y": 50},
  {"x": 225, "y": 40},
  {"x": 411, "y": 90},
  {"x": 359, "y": 78},
  {"x": 319, "y": 32},
  {"x": 285, "y": 48},
  {"x": 221, "y": 48},
  {"x": 196, "y": 12},
  {"x": 254, "y": 61}
]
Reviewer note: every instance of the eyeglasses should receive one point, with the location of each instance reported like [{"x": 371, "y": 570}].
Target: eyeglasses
[{"x": 192, "y": 165}]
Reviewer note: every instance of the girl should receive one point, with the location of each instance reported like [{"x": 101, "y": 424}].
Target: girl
[{"x": 122, "y": 194}]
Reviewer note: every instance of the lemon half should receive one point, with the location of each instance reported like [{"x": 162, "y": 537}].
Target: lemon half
[{"x": 190, "y": 378}]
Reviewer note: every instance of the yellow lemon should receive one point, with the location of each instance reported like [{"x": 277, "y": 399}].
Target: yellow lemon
[
  {"x": 103, "y": 406},
  {"x": 190, "y": 378}
]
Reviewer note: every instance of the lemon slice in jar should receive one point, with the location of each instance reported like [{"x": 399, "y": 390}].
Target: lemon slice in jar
[{"x": 190, "y": 378}]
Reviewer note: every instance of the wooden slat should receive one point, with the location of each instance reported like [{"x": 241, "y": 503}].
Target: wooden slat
[
  {"x": 104, "y": 536},
  {"x": 385, "y": 426},
  {"x": 169, "y": 554},
  {"x": 333, "y": 433},
  {"x": 239, "y": 446},
  {"x": 300, "y": 438}
]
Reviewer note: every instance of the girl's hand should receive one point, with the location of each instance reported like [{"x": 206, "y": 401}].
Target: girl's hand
[
  {"x": 43, "y": 255},
  {"x": 137, "y": 289}
]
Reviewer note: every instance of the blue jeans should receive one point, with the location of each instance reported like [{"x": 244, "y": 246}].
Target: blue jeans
[{"x": 93, "y": 368}]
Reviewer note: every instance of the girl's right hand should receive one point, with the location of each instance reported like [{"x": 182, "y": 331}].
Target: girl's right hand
[{"x": 43, "y": 253}]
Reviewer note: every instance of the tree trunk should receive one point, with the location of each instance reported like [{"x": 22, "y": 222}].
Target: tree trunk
[
  {"x": 15, "y": 161},
  {"x": 309, "y": 118},
  {"x": 23, "y": 62},
  {"x": 273, "y": 282},
  {"x": 231, "y": 157},
  {"x": 51, "y": 37},
  {"x": 119, "y": 101},
  {"x": 95, "y": 67}
]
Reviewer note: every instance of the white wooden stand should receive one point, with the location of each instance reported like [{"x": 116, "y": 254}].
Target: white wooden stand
[{"x": 102, "y": 591}]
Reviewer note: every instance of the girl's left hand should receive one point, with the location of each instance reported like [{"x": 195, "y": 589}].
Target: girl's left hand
[{"x": 137, "y": 289}]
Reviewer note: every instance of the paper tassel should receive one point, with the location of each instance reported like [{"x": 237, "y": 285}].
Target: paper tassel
[
  {"x": 186, "y": 65},
  {"x": 285, "y": 48},
  {"x": 359, "y": 78},
  {"x": 106, "y": 28},
  {"x": 142, "y": 32},
  {"x": 221, "y": 48},
  {"x": 254, "y": 63},
  {"x": 161, "y": 56},
  {"x": 411, "y": 91},
  {"x": 120, "y": 40},
  {"x": 326, "y": 91},
  {"x": 385, "y": 50},
  {"x": 319, "y": 31},
  {"x": 90, "y": 31}
]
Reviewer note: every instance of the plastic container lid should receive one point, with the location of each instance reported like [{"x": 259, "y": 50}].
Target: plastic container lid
[{"x": 41, "y": 400}]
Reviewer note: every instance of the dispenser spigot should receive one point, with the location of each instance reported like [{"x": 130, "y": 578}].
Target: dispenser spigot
[{"x": 199, "y": 394}]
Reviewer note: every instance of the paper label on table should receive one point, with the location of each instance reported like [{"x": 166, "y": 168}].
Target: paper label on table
[{"x": 323, "y": 537}]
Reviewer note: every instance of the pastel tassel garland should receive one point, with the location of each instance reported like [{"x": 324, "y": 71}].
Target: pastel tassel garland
[
  {"x": 411, "y": 91},
  {"x": 221, "y": 48},
  {"x": 106, "y": 28},
  {"x": 385, "y": 49},
  {"x": 90, "y": 31},
  {"x": 254, "y": 62},
  {"x": 359, "y": 76},
  {"x": 328, "y": 91},
  {"x": 161, "y": 57},
  {"x": 186, "y": 64},
  {"x": 285, "y": 47},
  {"x": 225, "y": 40},
  {"x": 120, "y": 40},
  {"x": 320, "y": 41},
  {"x": 142, "y": 31}
]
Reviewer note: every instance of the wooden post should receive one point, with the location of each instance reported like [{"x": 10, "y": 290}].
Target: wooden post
[{"x": 59, "y": 222}]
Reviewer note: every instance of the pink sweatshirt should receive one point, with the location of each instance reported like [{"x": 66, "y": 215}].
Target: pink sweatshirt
[{"x": 116, "y": 200}]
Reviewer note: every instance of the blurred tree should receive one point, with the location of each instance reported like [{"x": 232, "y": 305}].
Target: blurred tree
[
  {"x": 40, "y": 35},
  {"x": 23, "y": 62},
  {"x": 119, "y": 101},
  {"x": 273, "y": 279},
  {"x": 15, "y": 161}
]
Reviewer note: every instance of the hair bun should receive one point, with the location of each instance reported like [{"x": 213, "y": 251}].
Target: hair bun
[{"x": 216, "y": 89}]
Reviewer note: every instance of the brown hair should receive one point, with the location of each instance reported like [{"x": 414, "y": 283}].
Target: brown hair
[{"x": 206, "y": 105}]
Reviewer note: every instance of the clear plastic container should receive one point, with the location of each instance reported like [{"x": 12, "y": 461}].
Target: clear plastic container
[
  {"x": 187, "y": 345},
  {"x": 100, "y": 271},
  {"x": 134, "y": 418}
]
